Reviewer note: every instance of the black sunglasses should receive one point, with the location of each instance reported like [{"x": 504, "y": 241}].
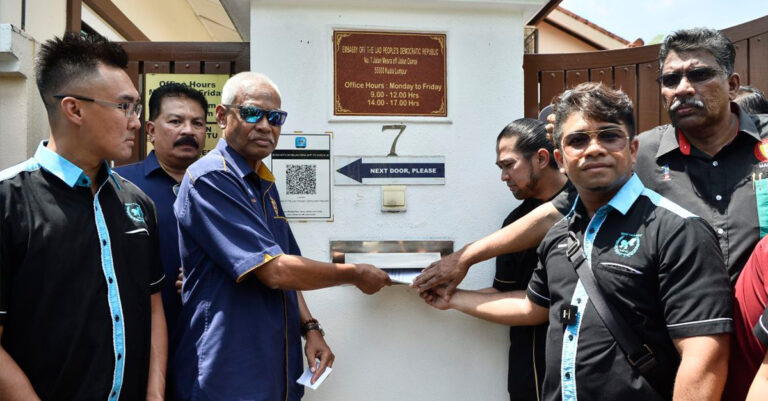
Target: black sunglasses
[
  {"x": 695, "y": 75},
  {"x": 252, "y": 114}
]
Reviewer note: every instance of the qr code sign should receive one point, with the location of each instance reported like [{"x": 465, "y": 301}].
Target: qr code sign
[{"x": 301, "y": 179}]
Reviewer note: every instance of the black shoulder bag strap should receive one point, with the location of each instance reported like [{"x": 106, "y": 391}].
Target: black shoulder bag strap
[{"x": 639, "y": 355}]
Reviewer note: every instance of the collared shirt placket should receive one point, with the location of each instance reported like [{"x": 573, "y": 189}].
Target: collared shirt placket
[
  {"x": 579, "y": 300},
  {"x": 717, "y": 195},
  {"x": 113, "y": 295},
  {"x": 113, "y": 291}
]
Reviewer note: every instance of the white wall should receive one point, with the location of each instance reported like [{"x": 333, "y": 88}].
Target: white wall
[
  {"x": 45, "y": 18},
  {"x": 24, "y": 123},
  {"x": 392, "y": 346}
]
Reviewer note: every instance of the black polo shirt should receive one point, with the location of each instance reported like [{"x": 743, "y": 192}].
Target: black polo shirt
[
  {"x": 514, "y": 270},
  {"x": 722, "y": 189},
  {"x": 526, "y": 343},
  {"x": 76, "y": 274},
  {"x": 526, "y": 350},
  {"x": 658, "y": 266}
]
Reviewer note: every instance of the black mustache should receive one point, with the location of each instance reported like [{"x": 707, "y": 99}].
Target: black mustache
[{"x": 186, "y": 140}]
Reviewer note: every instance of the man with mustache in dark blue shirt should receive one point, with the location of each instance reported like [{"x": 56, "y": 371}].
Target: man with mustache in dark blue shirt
[{"x": 176, "y": 129}]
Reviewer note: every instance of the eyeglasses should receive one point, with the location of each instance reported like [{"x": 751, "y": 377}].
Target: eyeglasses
[
  {"x": 611, "y": 139},
  {"x": 696, "y": 75},
  {"x": 129, "y": 108},
  {"x": 253, "y": 114}
]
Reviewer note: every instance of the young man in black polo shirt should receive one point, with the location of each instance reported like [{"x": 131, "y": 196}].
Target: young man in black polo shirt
[
  {"x": 657, "y": 266},
  {"x": 80, "y": 313}
]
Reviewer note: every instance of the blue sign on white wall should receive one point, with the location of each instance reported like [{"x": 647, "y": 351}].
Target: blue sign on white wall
[{"x": 360, "y": 170}]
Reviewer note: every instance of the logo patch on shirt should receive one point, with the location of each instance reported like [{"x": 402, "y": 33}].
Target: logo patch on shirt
[
  {"x": 627, "y": 244},
  {"x": 133, "y": 210}
]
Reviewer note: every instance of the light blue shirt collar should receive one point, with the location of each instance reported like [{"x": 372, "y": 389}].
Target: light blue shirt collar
[
  {"x": 627, "y": 195},
  {"x": 63, "y": 168}
]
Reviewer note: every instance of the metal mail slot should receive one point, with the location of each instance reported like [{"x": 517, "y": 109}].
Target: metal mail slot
[
  {"x": 402, "y": 260},
  {"x": 339, "y": 249}
]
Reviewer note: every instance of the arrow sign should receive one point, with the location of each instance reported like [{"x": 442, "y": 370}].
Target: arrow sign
[{"x": 359, "y": 170}]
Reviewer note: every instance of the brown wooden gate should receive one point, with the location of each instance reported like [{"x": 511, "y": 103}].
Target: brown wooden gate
[
  {"x": 634, "y": 71},
  {"x": 182, "y": 58}
]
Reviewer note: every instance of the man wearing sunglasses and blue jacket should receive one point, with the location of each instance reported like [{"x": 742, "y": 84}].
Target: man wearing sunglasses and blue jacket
[{"x": 243, "y": 313}]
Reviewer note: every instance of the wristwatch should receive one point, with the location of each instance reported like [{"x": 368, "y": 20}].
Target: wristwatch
[{"x": 311, "y": 324}]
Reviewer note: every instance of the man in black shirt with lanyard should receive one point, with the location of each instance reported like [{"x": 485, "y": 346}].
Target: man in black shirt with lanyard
[{"x": 524, "y": 155}]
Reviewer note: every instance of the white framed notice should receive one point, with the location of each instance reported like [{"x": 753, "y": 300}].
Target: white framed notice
[{"x": 301, "y": 164}]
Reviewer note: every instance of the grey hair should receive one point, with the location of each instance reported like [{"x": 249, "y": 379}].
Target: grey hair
[
  {"x": 711, "y": 40},
  {"x": 238, "y": 81}
]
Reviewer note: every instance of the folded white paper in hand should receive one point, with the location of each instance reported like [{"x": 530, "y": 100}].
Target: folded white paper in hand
[
  {"x": 306, "y": 377},
  {"x": 402, "y": 268}
]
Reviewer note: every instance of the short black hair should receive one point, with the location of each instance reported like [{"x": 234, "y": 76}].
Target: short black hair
[
  {"x": 694, "y": 39},
  {"x": 531, "y": 136},
  {"x": 174, "y": 89},
  {"x": 597, "y": 102},
  {"x": 71, "y": 58},
  {"x": 751, "y": 100}
]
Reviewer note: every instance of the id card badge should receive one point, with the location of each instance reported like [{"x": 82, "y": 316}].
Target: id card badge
[{"x": 568, "y": 314}]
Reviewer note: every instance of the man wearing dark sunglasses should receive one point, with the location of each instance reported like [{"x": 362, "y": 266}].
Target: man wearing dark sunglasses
[
  {"x": 81, "y": 315},
  {"x": 243, "y": 310}
]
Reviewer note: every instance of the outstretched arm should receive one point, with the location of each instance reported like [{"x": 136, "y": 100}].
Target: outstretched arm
[
  {"x": 511, "y": 308},
  {"x": 525, "y": 233},
  {"x": 299, "y": 273}
]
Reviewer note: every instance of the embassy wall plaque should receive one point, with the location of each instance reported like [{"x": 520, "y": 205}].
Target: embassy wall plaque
[{"x": 389, "y": 74}]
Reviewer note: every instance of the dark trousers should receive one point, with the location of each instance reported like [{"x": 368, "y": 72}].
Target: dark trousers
[{"x": 526, "y": 362}]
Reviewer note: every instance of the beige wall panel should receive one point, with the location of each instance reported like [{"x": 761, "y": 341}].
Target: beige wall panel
[
  {"x": 554, "y": 40},
  {"x": 167, "y": 20}
]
